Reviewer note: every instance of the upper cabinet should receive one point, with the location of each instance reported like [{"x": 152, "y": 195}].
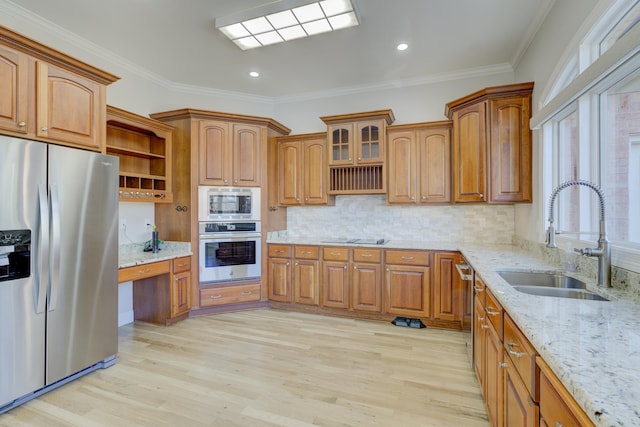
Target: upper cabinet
[
  {"x": 230, "y": 154},
  {"x": 356, "y": 152},
  {"x": 302, "y": 170},
  {"x": 419, "y": 163},
  {"x": 491, "y": 154},
  {"x": 144, "y": 148},
  {"x": 51, "y": 96}
]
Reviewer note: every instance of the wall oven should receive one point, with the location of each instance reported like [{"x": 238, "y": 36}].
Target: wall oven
[
  {"x": 229, "y": 251},
  {"x": 228, "y": 204}
]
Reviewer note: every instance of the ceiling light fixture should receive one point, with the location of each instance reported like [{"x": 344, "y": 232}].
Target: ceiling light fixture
[
  {"x": 254, "y": 74},
  {"x": 286, "y": 20},
  {"x": 402, "y": 46}
]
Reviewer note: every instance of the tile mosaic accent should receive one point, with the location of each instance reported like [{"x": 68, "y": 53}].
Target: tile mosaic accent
[{"x": 369, "y": 217}]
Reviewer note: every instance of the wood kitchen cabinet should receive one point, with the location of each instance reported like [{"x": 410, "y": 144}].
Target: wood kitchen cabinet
[
  {"x": 199, "y": 136},
  {"x": 144, "y": 147},
  {"x": 356, "y": 152},
  {"x": 419, "y": 168},
  {"x": 50, "y": 96},
  {"x": 161, "y": 290},
  {"x": 306, "y": 275},
  {"x": 279, "y": 273},
  {"x": 366, "y": 280},
  {"x": 230, "y": 154},
  {"x": 491, "y": 145},
  {"x": 447, "y": 287},
  {"x": 335, "y": 277},
  {"x": 557, "y": 406},
  {"x": 407, "y": 283},
  {"x": 302, "y": 170}
]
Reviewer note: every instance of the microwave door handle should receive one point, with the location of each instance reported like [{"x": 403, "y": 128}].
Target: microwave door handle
[
  {"x": 43, "y": 250},
  {"x": 55, "y": 253}
]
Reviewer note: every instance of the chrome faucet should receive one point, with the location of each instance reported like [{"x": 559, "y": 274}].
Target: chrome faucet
[{"x": 603, "y": 251}]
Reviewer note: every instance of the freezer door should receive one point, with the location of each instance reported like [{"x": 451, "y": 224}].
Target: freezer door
[
  {"x": 82, "y": 313},
  {"x": 22, "y": 323}
]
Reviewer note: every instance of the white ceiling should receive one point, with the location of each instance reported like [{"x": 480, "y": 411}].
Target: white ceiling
[{"x": 177, "y": 40}]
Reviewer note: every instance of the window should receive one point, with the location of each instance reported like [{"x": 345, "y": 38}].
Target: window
[{"x": 595, "y": 134}]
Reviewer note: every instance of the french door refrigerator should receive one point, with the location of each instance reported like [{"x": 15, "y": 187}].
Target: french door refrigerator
[{"x": 58, "y": 266}]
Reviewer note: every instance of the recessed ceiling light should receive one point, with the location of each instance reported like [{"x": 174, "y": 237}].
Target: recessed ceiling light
[
  {"x": 402, "y": 46},
  {"x": 254, "y": 74}
]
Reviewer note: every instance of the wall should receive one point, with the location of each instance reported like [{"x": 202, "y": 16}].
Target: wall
[{"x": 542, "y": 60}]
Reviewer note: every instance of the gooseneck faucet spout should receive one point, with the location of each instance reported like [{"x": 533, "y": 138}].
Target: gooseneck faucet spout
[{"x": 603, "y": 251}]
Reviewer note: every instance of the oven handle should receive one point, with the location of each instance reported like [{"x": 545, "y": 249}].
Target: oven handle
[{"x": 231, "y": 236}]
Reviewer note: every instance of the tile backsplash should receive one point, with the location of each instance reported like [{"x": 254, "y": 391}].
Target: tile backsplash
[{"x": 369, "y": 217}]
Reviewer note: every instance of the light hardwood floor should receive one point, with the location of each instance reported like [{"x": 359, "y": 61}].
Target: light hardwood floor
[{"x": 271, "y": 368}]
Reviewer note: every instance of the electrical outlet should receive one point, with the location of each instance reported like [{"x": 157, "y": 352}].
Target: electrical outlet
[{"x": 147, "y": 223}]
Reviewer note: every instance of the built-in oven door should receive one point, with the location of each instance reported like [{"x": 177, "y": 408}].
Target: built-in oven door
[{"x": 229, "y": 259}]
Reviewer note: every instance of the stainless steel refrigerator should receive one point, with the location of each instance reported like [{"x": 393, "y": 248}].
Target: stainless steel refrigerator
[{"x": 58, "y": 266}]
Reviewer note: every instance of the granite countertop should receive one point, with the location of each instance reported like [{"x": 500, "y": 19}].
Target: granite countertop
[
  {"x": 592, "y": 346},
  {"x": 133, "y": 254}
]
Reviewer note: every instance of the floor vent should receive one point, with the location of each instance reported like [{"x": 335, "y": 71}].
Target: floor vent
[{"x": 408, "y": 321}]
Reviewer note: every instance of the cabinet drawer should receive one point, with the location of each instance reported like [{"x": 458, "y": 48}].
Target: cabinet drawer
[
  {"x": 306, "y": 252},
  {"x": 557, "y": 406},
  {"x": 229, "y": 295},
  {"x": 522, "y": 355},
  {"x": 143, "y": 271},
  {"x": 366, "y": 255},
  {"x": 407, "y": 257},
  {"x": 280, "y": 251},
  {"x": 335, "y": 254},
  {"x": 493, "y": 311},
  {"x": 182, "y": 264}
]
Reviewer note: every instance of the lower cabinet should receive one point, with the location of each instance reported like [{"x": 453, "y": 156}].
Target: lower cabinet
[
  {"x": 161, "y": 290},
  {"x": 366, "y": 283},
  {"x": 407, "y": 283},
  {"x": 226, "y": 294},
  {"x": 557, "y": 406},
  {"x": 369, "y": 282},
  {"x": 306, "y": 275},
  {"x": 335, "y": 278},
  {"x": 518, "y": 387}
]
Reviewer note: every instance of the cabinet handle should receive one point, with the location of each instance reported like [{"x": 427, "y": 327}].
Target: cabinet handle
[
  {"x": 245, "y": 293},
  {"x": 148, "y": 270},
  {"x": 288, "y": 263},
  {"x": 298, "y": 199},
  {"x": 483, "y": 326},
  {"x": 480, "y": 319},
  {"x": 182, "y": 265},
  {"x": 490, "y": 311},
  {"x": 366, "y": 255},
  {"x": 216, "y": 296},
  {"x": 359, "y": 158},
  {"x": 279, "y": 251},
  {"x": 559, "y": 424},
  {"x": 44, "y": 129},
  {"x": 510, "y": 350},
  {"x": 334, "y": 253},
  {"x": 22, "y": 124},
  {"x": 407, "y": 258},
  {"x": 502, "y": 365},
  {"x": 478, "y": 289},
  {"x": 306, "y": 252}
]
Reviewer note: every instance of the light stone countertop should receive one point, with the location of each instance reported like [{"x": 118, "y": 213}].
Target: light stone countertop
[
  {"x": 592, "y": 346},
  {"x": 133, "y": 254}
]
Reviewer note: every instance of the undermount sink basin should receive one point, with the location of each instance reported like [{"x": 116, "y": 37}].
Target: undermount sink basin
[
  {"x": 551, "y": 280},
  {"x": 549, "y": 284}
]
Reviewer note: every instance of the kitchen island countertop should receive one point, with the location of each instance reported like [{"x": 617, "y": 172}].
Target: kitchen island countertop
[
  {"x": 592, "y": 346},
  {"x": 133, "y": 254}
]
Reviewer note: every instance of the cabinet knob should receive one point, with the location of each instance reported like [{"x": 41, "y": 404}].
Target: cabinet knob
[
  {"x": 359, "y": 158},
  {"x": 345, "y": 267},
  {"x": 22, "y": 124},
  {"x": 235, "y": 181},
  {"x": 481, "y": 195},
  {"x": 44, "y": 129},
  {"x": 226, "y": 181}
]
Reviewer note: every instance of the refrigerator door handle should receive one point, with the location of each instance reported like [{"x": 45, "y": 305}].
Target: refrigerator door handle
[
  {"x": 55, "y": 247},
  {"x": 43, "y": 255}
]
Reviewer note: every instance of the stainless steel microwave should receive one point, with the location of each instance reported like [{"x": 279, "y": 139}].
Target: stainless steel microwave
[{"x": 228, "y": 203}]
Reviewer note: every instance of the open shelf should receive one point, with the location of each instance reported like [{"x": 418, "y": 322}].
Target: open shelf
[{"x": 144, "y": 148}]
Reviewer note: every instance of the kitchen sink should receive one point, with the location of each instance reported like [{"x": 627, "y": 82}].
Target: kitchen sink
[
  {"x": 560, "y": 292},
  {"x": 549, "y": 284},
  {"x": 551, "y": 280}
]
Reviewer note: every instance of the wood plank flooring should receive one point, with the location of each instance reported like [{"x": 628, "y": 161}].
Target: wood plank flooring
[{"x": 271, "y": 368}]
